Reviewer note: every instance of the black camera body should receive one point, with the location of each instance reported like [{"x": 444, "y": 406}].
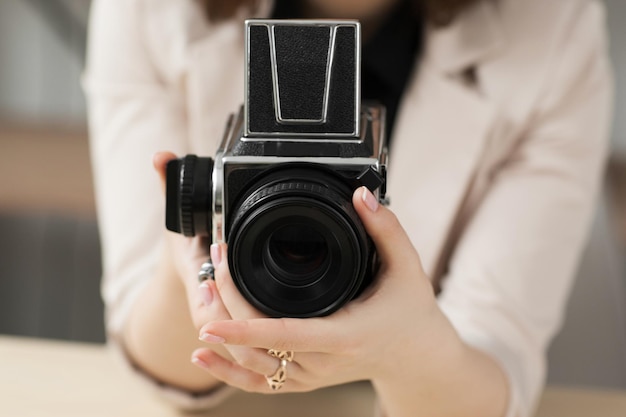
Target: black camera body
[{"x": 279, "y": 190}]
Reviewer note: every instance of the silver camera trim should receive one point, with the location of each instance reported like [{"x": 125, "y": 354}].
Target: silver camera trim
[
  {"x": 332, "y": 25},
  {"x": 233, "y": 133}
]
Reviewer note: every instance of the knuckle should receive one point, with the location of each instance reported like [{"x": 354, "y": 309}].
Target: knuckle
[
  {"x": 391, "y": 222},
  {"x": 249, "y": 386},
  {"x": 320, "y": 369},
  {"x": 254, "y": 384},
  {"x": 198, "y": 324},
  {"x": 282, "y": 343},
  {"x": 245, "y": 359},
  {"x": 199, "y": 319},
  {"x": 346, "y": 347},
  {"x": 220, "y": 280}
]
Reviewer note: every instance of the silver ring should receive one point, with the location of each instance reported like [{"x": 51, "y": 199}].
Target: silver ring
[
  {"x": 278, "y": 379},
  {"x": 207, "y": 271}
]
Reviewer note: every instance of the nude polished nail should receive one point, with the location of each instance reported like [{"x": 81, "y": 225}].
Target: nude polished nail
[
  {"x": 216, "y": 255},
  {"x": 369, "y": 199},
  {"x": 211, "y": 338},
  {"x": 206, "y": 293},
  {"x": 199, "y": 362}
]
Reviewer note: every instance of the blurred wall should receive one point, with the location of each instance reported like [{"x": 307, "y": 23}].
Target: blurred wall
[
  {"x": 40, "y": 65},
  {"x": 49, "y": 247},
  {"x": 617, "y": 29}
]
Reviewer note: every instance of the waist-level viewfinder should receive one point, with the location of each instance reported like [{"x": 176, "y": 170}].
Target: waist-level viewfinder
[{"x": 302, "y": 79}]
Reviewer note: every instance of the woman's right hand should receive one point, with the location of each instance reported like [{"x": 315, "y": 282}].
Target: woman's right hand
[
  {"x": 187, "y": 255},
  {"x": 204, "y": 301}
]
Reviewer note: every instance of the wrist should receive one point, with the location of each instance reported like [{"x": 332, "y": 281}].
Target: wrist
[
  {"x": 437, "y": 374},
  {"x": 425, "y": 346}
]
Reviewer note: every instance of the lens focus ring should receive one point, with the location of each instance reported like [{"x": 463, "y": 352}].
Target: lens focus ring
[
  {"x": 291, "y": 188},
  {"x": 186, "y": 195}
]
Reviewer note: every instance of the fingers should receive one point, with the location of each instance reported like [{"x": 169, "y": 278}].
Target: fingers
[
  {"x": 159, "y": 161},
  {"x": 224, "y": 302},
  {"x": 239, "y": 376},
  {"x": 256, "y": 360},
  {"x": 299, "y": 335},
  {"x": 251, "y": 359},
  {"x": 208, "y": 304},
  {"x": 237, "y": 305},
  {"x": 227, "y": 371},
  {"x": 392, "y": 243},
  {"x": 211, "y": 308}
]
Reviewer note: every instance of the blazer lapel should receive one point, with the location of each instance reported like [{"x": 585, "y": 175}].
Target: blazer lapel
[{"x": 440, "y": 135}]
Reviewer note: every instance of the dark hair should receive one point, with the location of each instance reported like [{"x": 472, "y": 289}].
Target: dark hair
[{"x": 436, "y": 12}]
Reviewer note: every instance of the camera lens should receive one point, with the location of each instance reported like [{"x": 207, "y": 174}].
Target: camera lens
[
  {"x": 297, "y": 247},
  {"x": 297, "y": 254}
]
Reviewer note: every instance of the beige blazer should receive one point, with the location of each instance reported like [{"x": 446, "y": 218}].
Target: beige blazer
[{"x": 496, "y": 161}]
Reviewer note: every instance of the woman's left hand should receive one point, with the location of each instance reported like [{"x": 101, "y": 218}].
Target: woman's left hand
[{"x": 393, "y": 328}]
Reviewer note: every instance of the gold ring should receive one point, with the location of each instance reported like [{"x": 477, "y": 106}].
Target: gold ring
[{"x": 277, "y": 380}]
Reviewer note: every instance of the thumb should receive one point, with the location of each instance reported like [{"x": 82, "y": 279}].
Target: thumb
[
  {"x": 393, "y": 245},
  {"x": 159, "y": 161}
]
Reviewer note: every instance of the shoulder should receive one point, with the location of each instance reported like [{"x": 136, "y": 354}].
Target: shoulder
[
  {"x": 520, "y": 34},
  {"x": 545, "y": 46},
  {"x": 544, "y": 29},
  {"x": 156, "y": 32},
  {"x": 185, "y": 13},
  {"x": 138, "y": 34},
  {"x": 542, "y": 23}
]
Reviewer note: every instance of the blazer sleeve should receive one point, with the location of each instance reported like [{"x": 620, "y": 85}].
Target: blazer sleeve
[
  {"x": 133, "y": 112},
  {"x": 511, "y": 272}
]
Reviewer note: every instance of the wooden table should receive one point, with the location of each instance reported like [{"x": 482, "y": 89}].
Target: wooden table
[{"x": 48, "y": 379}]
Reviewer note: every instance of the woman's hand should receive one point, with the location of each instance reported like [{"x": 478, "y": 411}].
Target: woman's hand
[
  {"x": 205, "y": 305},
  {"x": 188, "y": 254},
  {"x": 374, "y": 337}
]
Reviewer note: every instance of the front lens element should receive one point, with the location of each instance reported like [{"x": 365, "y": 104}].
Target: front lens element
[{"x": 297, "y": 254}]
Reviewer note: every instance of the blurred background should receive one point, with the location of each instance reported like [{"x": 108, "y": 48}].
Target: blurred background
[{"x": 49, "y": 250}]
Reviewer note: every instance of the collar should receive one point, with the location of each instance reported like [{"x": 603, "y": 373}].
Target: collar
[{"x": 472, "y": 37}]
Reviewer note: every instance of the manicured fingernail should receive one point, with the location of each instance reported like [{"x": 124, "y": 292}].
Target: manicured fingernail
[
  {"x": 211, "y": 338},
  {"x": 369, "y": 199},
  {"x": 206, "y": 293},
  {"x": 199, "y": 362},
  {"x": 216, "y": 254}
]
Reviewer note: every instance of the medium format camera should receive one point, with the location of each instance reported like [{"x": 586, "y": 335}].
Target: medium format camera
[{"x": 279, "y": 190}]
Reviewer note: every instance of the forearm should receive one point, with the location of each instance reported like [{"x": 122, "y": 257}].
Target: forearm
[
  {"x": 159, "y": 335},
  {"x": 457, "y": 380}
]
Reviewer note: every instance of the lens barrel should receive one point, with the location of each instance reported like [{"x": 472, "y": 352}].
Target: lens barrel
[{"x": 297, "y": 247}]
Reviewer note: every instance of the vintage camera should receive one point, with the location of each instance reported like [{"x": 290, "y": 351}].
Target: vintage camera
[{"x": 279, "y": 190}]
